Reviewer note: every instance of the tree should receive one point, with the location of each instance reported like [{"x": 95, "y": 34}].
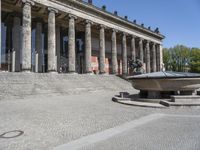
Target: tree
[
  {"x": 195, "y": 60},
  {"x": 181, "y": 58}
]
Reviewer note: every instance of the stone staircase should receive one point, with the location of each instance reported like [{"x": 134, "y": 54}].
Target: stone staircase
[{"x": 20, "y": 85}]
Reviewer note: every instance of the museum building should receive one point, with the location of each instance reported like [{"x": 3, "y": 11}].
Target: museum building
[{"x": 73, "y": 36}]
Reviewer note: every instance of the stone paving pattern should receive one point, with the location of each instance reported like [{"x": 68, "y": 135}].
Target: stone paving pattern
[{"x": 167, "y": 133}]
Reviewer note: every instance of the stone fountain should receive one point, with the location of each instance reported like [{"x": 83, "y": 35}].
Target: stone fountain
[
  {"x": 165, "y": 84},
  {"x": 166, "y": 88}
]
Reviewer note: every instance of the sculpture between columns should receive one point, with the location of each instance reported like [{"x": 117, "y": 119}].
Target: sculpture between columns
[{"x": 138, "y": 66}]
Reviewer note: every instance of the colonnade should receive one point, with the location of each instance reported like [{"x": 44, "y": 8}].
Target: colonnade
[{"x": 147, "y": 49}]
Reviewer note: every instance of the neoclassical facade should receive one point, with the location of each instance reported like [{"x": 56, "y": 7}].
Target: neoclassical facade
[{"x": 73, "y": 36}]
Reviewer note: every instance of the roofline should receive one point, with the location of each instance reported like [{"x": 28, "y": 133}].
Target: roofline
[{"x": 106, "y": 13}]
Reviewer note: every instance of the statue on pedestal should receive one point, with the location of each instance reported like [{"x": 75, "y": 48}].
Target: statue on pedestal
[{"x": 136, "y": 67}]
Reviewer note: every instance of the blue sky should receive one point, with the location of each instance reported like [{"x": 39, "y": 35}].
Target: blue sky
[{"x": 178, "y": 20}]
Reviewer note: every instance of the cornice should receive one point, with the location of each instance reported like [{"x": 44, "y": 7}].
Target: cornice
[{"x": 115, "y": 18}]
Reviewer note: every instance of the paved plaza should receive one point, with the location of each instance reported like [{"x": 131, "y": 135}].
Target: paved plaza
[{"x": 57, "y": 122}]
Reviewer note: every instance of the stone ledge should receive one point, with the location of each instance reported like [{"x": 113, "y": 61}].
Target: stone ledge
[
  {"x": 189, "y": 103},
  {"x": 185, "y": 98},
  {"x": 116, "y": 99},
  {"x": 128, "y": 101},
  {"x": 141, "y": 104}
]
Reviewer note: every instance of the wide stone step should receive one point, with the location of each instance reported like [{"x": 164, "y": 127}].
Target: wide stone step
[{"x": 23, "y": 84}]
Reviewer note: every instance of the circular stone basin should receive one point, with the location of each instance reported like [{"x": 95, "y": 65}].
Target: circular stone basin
[{"x": 166, "y": 81}]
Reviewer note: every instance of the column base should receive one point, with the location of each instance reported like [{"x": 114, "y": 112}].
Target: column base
[
  {"x": 102, "y": 73},
  {"x": 114, "y": 73},
  {"x": 52, "y": 71},
  {"x": 26, "y": 70},
  {"x": 72, "y": 72},
  {"x": 39, "y": 72},
  {"x": 90, "y": 73},
  {"x": 124, "y": 75}
]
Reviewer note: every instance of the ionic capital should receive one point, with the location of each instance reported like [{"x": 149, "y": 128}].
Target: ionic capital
[
  {"x": 53, "y": 10},
  {"x": 147, "y": 41},
  {"x": 133, "y": 36},
  {"x": 152, "y": 43},
  {"x": 71, "y": 16},
  {"x": 28, "y": 2},
  {"x": 125, "y": 34},
  {"x": 114, "y": 30},
  {"x": 140, "y": 39},
  {"x": 89, "y": 22},
  {"x": 102, "y": 26}
]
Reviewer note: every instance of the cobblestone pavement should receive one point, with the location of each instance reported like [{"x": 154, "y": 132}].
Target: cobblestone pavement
[
  {"x": 166, "y": 133},
  {"x": 50, "y": 121}
]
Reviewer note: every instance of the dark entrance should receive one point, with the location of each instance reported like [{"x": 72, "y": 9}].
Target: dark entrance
[{"x": 80, "y": 48}]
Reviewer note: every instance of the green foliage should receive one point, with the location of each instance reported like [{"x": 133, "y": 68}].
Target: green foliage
[
  {"x": 182, "y": 59},
  {"x": 195, "y": 60}
]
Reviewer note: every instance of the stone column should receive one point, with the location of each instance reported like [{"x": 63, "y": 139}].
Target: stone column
[
  {"x": 71, "y": 45},
  {"x": 0, "y": 39},
  {"x": 158, "y": 57},
  {"x": 133, "y": 55},
  {"x": 16, "y": 41},
  {"x": 38, "y": 47},
  {"x": 88, "y": 47},
  {"x": 36, "y": 62},
  {"x": 141, "y": 50},
  {"x": 102, "y": 49},
  {"x": 58, "y": 46},
  {"x": 114, "y": 52},
  {"x": 162, "y": 67},
  {"x": 124, "y": 55},
  {"x": 13, "y": 60},
  {"x": 148, "y": 64},
  {"x": 154, "y": 57},
  {"x": 52, "y": 62},
  {"x": 26, "y": 35}
]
